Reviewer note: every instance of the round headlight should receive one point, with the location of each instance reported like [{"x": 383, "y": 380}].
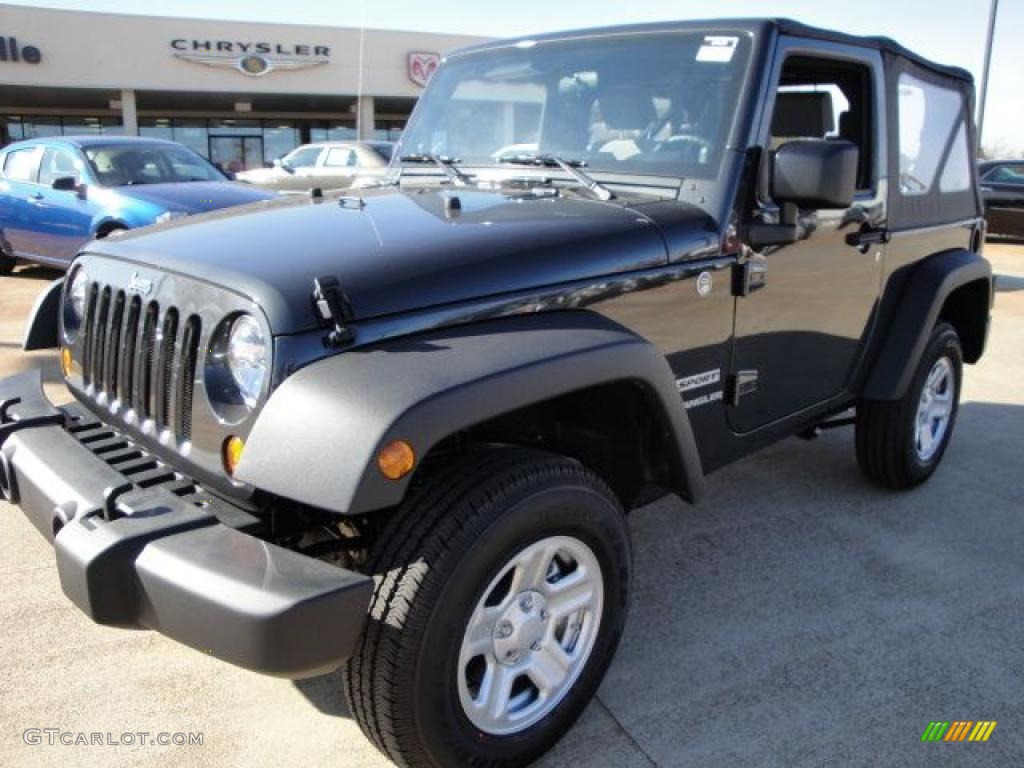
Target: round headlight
[
  {"x": 74, "y": 305},
  {"x": 247, "y": 357}
]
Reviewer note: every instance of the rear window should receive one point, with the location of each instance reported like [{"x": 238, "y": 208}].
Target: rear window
[
  {"x": 935, "y": 154},
  {"x": 20, "y": 164}
]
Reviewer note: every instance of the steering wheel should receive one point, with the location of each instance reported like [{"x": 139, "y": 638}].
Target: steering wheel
[
  {"x": 673, "y": 142},
  {"x": 914, "y": 184}
]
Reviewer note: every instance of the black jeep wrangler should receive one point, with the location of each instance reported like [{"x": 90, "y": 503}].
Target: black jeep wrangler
[{"x": 399, "y": 429}]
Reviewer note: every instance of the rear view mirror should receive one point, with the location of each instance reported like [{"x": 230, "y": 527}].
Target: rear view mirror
[
  {"x": 809, "y": 174},
  {"x": 815, "y": 173}
]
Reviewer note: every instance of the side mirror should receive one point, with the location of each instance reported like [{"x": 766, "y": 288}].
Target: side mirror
[
  {"x": 284, "y": 165},
  {"x": 815, "y": 174},
  {"x": 70, "y": 184}
]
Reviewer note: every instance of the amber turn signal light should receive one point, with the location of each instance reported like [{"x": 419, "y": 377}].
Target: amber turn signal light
[
  {"x": 396, "y": 460},
  {"x": 65, "y": 361},
  {"x": 233, "y": 448}
]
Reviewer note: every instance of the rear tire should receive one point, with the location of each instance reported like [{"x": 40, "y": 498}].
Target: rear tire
[
  {"x": 900, "y": 443},
  {"x": 453, "y": 594}
]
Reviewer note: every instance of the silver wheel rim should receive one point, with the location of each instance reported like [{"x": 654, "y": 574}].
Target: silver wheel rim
[
  {"x": 530, "y": 635},
  {"x": 935, "y": 409}
]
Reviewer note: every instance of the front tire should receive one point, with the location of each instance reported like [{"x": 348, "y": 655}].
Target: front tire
[
  {"x": 502, "y": 588},
  {"x": 900, "y": 443},
  {"x": 7, "y": 261}
]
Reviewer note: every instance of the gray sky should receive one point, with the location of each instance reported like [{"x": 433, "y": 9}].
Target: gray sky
[{"x": 949, "y": 31}]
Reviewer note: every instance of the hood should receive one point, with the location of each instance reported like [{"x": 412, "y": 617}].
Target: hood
[
  {"x": 401, "y": 249},
  {"x": 259, "y": 174},
  {"x": 195, "y": 196}
]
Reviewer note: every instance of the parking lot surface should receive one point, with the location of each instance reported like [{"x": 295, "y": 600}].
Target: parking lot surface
[{"x": 797, "y": 616}]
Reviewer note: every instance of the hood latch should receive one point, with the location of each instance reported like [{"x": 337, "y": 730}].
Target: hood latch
[{"x": 333, "y": 308}]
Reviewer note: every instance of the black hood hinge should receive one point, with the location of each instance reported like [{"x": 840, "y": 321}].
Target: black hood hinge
[{"x": 333, "y": 308}]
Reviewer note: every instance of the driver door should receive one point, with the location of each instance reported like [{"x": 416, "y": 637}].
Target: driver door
[
  {"x": 63, "y": 218},
  {"x": 799, "y": 339}
]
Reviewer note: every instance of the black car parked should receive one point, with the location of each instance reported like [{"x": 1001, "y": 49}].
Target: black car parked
[
  {"x": 1002, "y": 189},
  {"x": 401, "y": 431}
]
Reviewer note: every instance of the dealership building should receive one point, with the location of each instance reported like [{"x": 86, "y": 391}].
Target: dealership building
[{"x": 238, "y": 93}]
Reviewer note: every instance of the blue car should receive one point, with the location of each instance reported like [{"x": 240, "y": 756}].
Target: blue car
[{"x": 56, "y": 194}]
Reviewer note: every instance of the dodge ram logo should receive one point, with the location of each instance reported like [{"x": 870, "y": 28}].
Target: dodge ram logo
[
  {"x": 139, "y": 285},
  {"x": 422, "y": 65}
]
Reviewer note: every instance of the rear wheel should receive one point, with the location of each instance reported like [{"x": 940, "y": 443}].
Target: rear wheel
[
  {"x": 901, "y": 442},
  {"x": 501, "y": 593}
]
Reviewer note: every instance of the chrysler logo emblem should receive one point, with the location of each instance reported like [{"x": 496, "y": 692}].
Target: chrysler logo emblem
[
  {"x": 253, "y": 64},
  {"x": 139, "y": 285}
]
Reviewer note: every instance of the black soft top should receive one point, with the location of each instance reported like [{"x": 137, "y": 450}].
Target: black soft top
[
  {"x": 887, "y": 44},
  {"x": 753, "y": 26}
]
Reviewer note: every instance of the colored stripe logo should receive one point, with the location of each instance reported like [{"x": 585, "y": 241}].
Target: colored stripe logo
[{"x": 959, "y": 730}]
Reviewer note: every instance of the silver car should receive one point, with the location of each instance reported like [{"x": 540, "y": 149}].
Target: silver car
[{"x": 327, "y": 165}]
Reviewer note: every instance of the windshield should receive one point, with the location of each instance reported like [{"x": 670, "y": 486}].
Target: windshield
[
  {"x": 117, "y": 165},
  {"x": 659, "y": 104}
]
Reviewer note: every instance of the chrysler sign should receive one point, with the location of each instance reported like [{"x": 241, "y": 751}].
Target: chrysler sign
[{"x": 250, "y": 58}]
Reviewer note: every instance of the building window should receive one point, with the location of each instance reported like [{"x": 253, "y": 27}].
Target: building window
[
  {"x": 14, "y": 128},
  {"x": 230, "y": 126},
  {"x": 156, "y": 128},
  {"x": 11, "y": 130},
  {"x": 194, "y": 135},
  {"x": 279, "y": 138},
  {"x": 40, "y": 127},
  {"x": 335, "y": 130}
]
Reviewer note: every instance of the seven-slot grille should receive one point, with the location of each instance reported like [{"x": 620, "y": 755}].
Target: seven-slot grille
[{"x": 141, "y": 355}]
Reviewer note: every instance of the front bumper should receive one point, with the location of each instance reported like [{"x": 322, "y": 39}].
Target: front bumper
[{"x": 133, "y": 556}]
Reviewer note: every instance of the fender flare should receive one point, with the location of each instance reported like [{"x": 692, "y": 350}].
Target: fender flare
[
  {"x": 317, "y": 438},
  {"x": 927, "y": 289},
  {"x": 43, "y": 328}
]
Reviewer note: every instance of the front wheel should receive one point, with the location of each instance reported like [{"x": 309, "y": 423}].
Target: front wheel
[
  {"x": 502, "y": 589},
  {"x": 901, "y": 442},
  {"x": 7, "y": 261}
]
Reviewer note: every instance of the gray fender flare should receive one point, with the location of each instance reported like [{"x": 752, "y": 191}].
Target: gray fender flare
[
  {"x": 316, "y": 441},
  {"x": 43, "y": 328},
  {"x": 931, "y": 283}
]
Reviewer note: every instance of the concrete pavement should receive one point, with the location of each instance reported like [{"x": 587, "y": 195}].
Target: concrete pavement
[{"x": 797, "y": 617}]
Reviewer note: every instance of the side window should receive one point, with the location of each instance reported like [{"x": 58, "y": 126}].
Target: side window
[
  {"x": 304, "y": 157},
  {"x": 340, "y": 157},
  {"x": 933, "y": 138},
  {"x": 20, "y": 164},
  {"x": 820, "y": 98},
  {"x": 58, "y": 163},
  {"x": 1006, "y": 174}
]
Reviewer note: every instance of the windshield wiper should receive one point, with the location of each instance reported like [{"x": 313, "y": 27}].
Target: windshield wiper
[
  {"x": 446, "y": 164},
  {"x": 572, "y": 167}
]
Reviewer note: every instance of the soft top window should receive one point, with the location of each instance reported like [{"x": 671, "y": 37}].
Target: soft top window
[
  {"x": 931, "y": 146},
  {"x": 933, "y": 139}
]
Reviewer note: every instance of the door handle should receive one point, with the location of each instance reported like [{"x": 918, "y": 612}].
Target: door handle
[
  {"x": 35, "y": 196},
  {"x": 868, "y": 236}
]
